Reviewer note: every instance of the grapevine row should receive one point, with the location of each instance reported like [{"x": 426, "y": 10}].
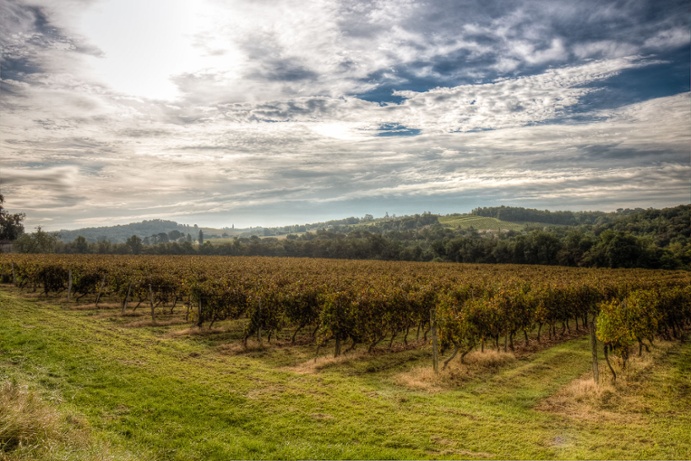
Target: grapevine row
[{"x": 352, "y": 303}]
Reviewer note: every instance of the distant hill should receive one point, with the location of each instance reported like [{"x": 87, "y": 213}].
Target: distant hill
[
  {"x": 652, "y": 222},
  {"x": 559, "y": 218},
  {"x": 120, "y": 233},
  {"x": 648, "y": 238}
]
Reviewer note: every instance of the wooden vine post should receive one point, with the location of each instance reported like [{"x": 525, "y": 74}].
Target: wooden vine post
[
  {"x": 435, "y": 339},
  {"x": 151, "y": 300},
  {"x": 593, "y": 348},
  {"x": 69, "y": 285},
  {"x": 100, "y": 290},
  {"x": 199, "y": 313},
  {"x": 259, "y": 322},
  {"x": 126, "y": 300},
  {"x": 337, "y": 347}
]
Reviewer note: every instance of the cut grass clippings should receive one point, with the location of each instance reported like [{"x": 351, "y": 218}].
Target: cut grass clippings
[{"x": 158, "y": 392}]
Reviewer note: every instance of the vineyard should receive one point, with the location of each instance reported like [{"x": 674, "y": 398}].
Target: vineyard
[{"x": 348, "y": 304}]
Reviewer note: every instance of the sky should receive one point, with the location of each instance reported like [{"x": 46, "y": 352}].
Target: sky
[{"x": 279, "y": 112}]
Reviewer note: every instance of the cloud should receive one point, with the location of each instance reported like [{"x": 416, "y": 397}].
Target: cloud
[
  {"x": 502, "y": 103},
  {"x": 507, "y": 102},
  {"x": 275, "y": 111},
  {"x": 672, "y": 38}
]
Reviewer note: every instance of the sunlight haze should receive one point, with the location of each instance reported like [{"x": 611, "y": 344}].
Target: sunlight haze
[{"x": 249, "y": 113}]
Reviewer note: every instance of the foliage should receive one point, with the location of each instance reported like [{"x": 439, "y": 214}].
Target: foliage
[
  {"x": 37, "y": 242},
  {"x": 518, "y": 214},
  {"x": 656, "y": 239},
  {"x": 359, "y": 302},
  {"x": 120, "y": 233},
  {"x": 11, "y": 226},
  {"x": 641, "y": 315}
]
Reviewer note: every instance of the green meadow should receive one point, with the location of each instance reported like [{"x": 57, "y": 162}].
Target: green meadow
[
  {"x": 481, "y": 223},
  {"x": 80, "y": 383}
]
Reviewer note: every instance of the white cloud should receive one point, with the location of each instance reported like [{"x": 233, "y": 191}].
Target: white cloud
[
  {"x": 506, "y": 103},
  {"x": 257, "y": 109},
  {"x": 604, "y": 48},
  {"x": 672, "y": 38}
]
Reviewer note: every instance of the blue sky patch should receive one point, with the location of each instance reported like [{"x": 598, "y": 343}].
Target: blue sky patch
[
  {"x": 395, "y": 129},
  {"x": 641, "y": 84}
]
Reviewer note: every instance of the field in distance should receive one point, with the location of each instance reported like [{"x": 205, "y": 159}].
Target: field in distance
[{"x": 480, "y": 223}]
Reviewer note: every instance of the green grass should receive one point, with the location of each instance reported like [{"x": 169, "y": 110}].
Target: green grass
[
  {"x": 466, "y": 221},
  {"x": 155, "y": 393}
]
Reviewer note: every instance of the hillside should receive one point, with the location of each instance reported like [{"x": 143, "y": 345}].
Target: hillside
[
  {"x": 481, "y": 223},
  {"x": 654, "y": 239},
  {"x": 143, "y": 229}
]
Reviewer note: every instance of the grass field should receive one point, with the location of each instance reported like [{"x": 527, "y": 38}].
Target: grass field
[
  {"x": 466, "y": 221},
  {"x": 113, "y": 387}
]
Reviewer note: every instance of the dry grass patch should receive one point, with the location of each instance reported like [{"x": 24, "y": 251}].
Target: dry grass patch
[
  {"x": 24, "y": 420},
  {"x": 238, "y": 348},
  {"x": 486, "y": 360},
  {"x": 31, "y": 429},
  {"x": 422, "y": 378},
  {"x": 319, "y": 363},
  {"x": 476, "y": 363},
  {"x": 621, "y": 400},
  {"x": 582, "y": 399},
  {"x": 195, "y": 331}
]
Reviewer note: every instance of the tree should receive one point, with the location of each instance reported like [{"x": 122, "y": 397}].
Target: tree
[
  {"x": 11, "y": 226},
  {"x": 541, "y": 248},
  {"x": 201, "y": 237},
  {"x": 37, "y": 242},
  {"x": 135, "y": 244},
  {"x": 615, "y": 249},
  {"x": 104, "y": 246},
  {"x": 575, "y": 245},
  {"x": 81, "y": 245}
]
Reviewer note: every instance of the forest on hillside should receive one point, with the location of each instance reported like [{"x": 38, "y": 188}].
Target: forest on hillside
[{"x": 649, "y": 238}]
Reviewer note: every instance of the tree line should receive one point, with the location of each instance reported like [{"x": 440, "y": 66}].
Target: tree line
[{"x": 656, "y": 239}]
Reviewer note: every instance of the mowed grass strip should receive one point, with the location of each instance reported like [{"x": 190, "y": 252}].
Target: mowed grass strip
[{"x": 154, "y": 393}]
